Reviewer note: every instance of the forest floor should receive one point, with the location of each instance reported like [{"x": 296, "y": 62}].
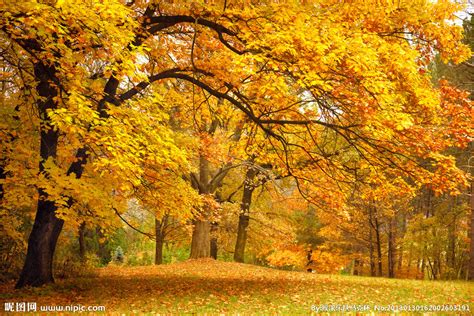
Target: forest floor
[{"x": 212, "y": 287}]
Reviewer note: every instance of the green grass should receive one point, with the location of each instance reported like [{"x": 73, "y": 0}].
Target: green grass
[{"x": 207, "y": 286}]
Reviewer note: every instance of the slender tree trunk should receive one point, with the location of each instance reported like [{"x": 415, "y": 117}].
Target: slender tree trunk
[
  {"x": 379, "y": 248},
  {"x": 401, "y": 234},
  {"x": 82, "y": 244},
  {"x": 408, "y": 272},
  {"x": 356, "y": 267},
  {"x": 244, "y": 217},
  {"x": 391, "y": 251},
  {"x": 239, "y": 252},
  {"x": 38, "y": 267},
  {"x": 213, "y": 242},
  {"x": 451, "y": 251},
  {"x": 160, "y": 238},
  {"x": 371, "y": 244}
]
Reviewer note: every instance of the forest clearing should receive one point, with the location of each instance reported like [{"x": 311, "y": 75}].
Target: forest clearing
[{"x": 215, "y": 287}]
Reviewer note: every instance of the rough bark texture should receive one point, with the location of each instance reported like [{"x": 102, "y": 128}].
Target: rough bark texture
[
  {"x": 38, "y": 267},
  {"x": 160, "y": 230},
  {"x": 241, "y": 237},
  {"x": 200, "y": 244},
  {"x": 244, "y": 217},
  {"x": 201, "y": 240}
]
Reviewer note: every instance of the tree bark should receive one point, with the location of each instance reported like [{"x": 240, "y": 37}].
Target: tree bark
[
  {"x": 38, "y": 267},
  {"x": 379, "y": 247},
  {"x": 244, "y": 217},
  {"x": 371, "y": 244},
  {"x": 82, "y": 245},
  {"x": 200, "y": 244},
  {"x": 159, "y": 240},
  {"x": 201, "y": 241},
  {"x": 213, "y": 242},
  {"x": 403, "y": 227},
  {"x": 391, "y": 251}
]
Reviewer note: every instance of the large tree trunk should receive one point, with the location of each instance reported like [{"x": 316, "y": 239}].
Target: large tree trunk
[
  {"x": 201, "y": 240},
  {"x": 244, "y": 215},
  {"x": 38, "y": 267},
  {"x": 200, "y": 244}
]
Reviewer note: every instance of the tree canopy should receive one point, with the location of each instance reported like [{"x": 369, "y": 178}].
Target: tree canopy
[{"x": 106, "y": 101}]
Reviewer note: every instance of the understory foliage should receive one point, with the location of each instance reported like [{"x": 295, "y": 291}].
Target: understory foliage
[{"x": 305, "y": 132}]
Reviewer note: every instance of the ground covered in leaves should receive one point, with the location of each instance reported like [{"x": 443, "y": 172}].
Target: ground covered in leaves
[{"x": 208, "y": 286}]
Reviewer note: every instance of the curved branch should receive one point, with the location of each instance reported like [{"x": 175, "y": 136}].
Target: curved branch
[{"x": 131, "y": 226}]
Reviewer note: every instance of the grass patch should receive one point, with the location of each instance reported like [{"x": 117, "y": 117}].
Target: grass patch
[{"x": 208, "y": 286}]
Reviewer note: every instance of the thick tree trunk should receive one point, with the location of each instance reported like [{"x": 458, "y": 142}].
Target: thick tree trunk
[
  {"x": 201, "y": 239},
  {"x": 38, "y": 267},
  {"x": 200, "y": 244},
  {"x": 244, "y": 217}
]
